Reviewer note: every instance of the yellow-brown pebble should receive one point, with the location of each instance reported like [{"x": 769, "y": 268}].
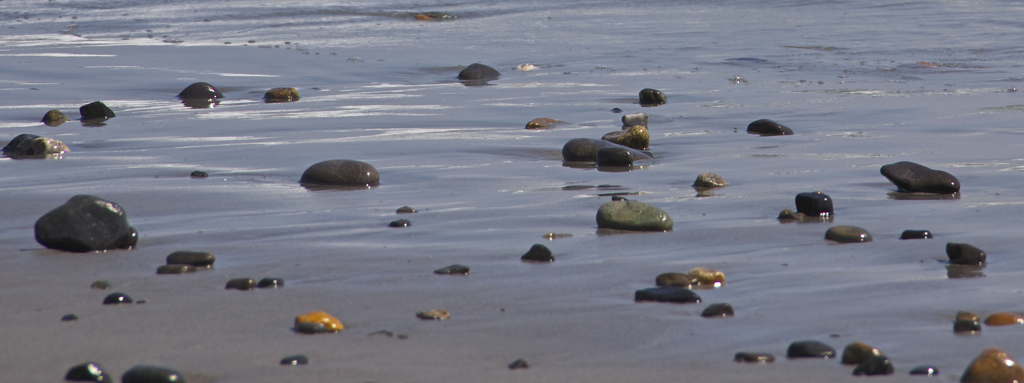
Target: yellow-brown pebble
[
  {"x": 857, "y": 352},
  {"x": 636, "y": 137},
  {"x": 993, "y": 366},
  {"x": 708, "y": 277},
  {"x": 281, "y": 95},
  {"x": 1003, "y": 319},
  {"x": 433, "y": 315},
  {"x": 330, "y": 322}
]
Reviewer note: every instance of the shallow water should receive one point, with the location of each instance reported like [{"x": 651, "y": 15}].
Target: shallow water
[{"x": 862, "y": 85}]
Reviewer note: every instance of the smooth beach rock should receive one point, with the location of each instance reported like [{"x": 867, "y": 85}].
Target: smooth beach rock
[
  {"x": 632, "y": 215},
  {"x": 200, "y": 91},
  {"x": 341, "y": 173},
  {"x": 329, "y": 322},
  {"x": 552, "y": 236},
  {"x": 543, "y": 123},
  {"x": 241, "y": 284},
  {"x": 175, "y": 269},
  {"x": 152, "y": 374},
  {"x": 456, "y": 269},
  {"x": 311, "y": 328},
  {"x": 964, "y": 254},
  {"x": 538, "y": 253},
  {"x": 86, "y": 223},
  {"x": 636, "y": 137},
  {"x": 718, "y": 310},
  {"x": 88, "y": 372},
  {"x": 675, "y": 279},
  {"x": 619, "y": 156},
  {"x": 117, "y": 299},
  {"x": 193, "y": 258},
  {"x": 433, "y": 315},
  {"x": 478, "y": 71},
  {"x": 33, "y": 146},
  {"x": 857, "y": 352},
  {"x": 874, "y": 365},
  {"x": 916, "y": 234},
  {"x": 69, "y": 318},
  {"x": 814, "y": 204},
  {"x": 405, "y": 210},
  {"x": 767, "y": 127},
  {"x": 925, "y": 370},
  {"x": 709, "y": 180},
  {"x": 671, "y": 294},
  {"x": 966, "y": 322},
  {"x": 95, "y": 110},
  {"x": 787, "y": 214},
  {"x": 295, "y": 360},
  {"x": 281, "y": 95},
  {"x": 583, "y": 149},
  {"x": 652, "y": 96},
  {"x": 754, "y": 357},
  {"x": 518, "y": 364},
  {"x": 810, "y": 349},
  {"x": 434, "y": 16},
  {"x": 270, "y": 283},
  {"x": 400, "y": 223},
  {"x": 1003, "y": 319},
  {"x": 100, "y": 285},
  {"x": 993, "y": 366},
  {"x": 54, "y": 118},
  {"x": 634, "y": 119},
  {"x": 708, "y": 277},
  {"x": 915, "y": 178},
  {"x": 847, "y": 234},
  {"x": 199, "y": 174}
]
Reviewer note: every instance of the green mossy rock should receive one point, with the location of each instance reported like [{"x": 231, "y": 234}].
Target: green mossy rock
[{"x": 632, "y": 215}]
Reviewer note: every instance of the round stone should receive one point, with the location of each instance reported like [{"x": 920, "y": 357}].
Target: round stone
[
  {"x": 175, "y": 269},
  {"x": 69, "y": 318},
  {"x": 619, "y": 156},
  {"x": 916, "y": 234},
  {"x": 405, "y": 210},
  {"x": 709, "y": 180},
  {"x": 400, "y": 223},
  {"x": 650, "y": 96},
  {"x": 199, "y": 174},
  {"x": 543, "y": 123},
  {"x": 478, "y": 71},
  {"x": 95, "y": 110},
  {"x": 754, "y": 357},
  {"x": 925, "y": 370},
  {"x": 538, "y": 253},
  {"x": 433, "y": 315},
  {"x": 100, "y": 285},
  {"x": 874, "y": 365},
  {"x": 241, "y": 284},
  {"x": 717, "y": 310},
  {"x": 632, "y": 215},
  {"x": 810, "y": 349},
  {"x": 966, "y": 322},
  {"x": 116, "y": 299},
  {"x": 671, "y": 294},
  {"x": 583, "y": 149},
  {"x": 328, "y": 322},
  {"x": 453, "y": 270},
  {"x": 54, "y": 118},
  {"x": 1003, "y": 319},
  {"x": 193, "y": 258},
  {"x": 675, "y": 279},
  {"x": 993, "y": 365},
  {"x": 915, "y": 178},
  {"x": 281, "y": 95},
  {"x": 270, "y": 283},
  {"x": 152, "y": 374},
  {"x": 636, "y": 137},
  {"x": 87, "y": 372},
  {"x": 295, "y": 360},
  {"x": 857, "y": 352},
  {"x": 201, "y": 91},
  {"x": 341, "y": 173},
  {"x": 634, "y": 119},
  {"x": 847, "y": 234},
  {"x": 767, "y": 127},
  {"x": 518, "y": 364},
  {"x": 86, "y": 223},
  {"x": 964, "y": 254}
]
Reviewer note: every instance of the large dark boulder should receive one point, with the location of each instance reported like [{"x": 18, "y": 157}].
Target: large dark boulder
[
  {"x": 915, "y": 178},
  {"x": 478, "y": 71},
  {"x": 341, "y": 173},
  {"x": 86, "y": 223}
]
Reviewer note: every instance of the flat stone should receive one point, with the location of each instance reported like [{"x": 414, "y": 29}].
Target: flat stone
[
  {"x": 433, "y": 315},
  {"x": 152, "y": 374},
  {"x": 634, "y": 119},
  {"x": 405, "y": 210},
  {"x": 400, "y": 223},
  {"x": 329, "y": 322},
  {"x": 964, "y": 254},
  {"x": 86, "y": 223},
  {"x": 543, "y": 123},
  {"x": 857, "y": 352},
  {"x": 1004, "y": 319},
  {"x": 652, "y": 96},
  {"x": 992, "y": 366},
  {"x": 583, "y": 149},
  {"x": 754, "y": 357},
  {"x": 767, "y": 127},
  {"x": 54, "y": 117},
  {"x": 201, "y": 91},
  {"x": 632, "y": 215},
  {"x": 709, "y": 180},
  {"x": 619, "y": 156},
  {"x": 675, "y": 279},
  {"x": 538, "y": 253},
  {"x": 69, "y": 318},
  {"x": 916, "y": 234},
  {"x": 241, "y": 284},
  {"x": 787, "y": 214},
  {"x": 847, "y": 234},
  {"x": 117, "y": 299},
  {"x": 175, "y": 269},
  {"x": 518, "y": 364},
  {"x": 95, "y": 110},
  {"x": 199, "y": 174},
  {"x": 814, "y": 204},
  {"x": 88, "y": 372},
  {"x": 478, "y": 71},
  {"x": 925, "y": 370},
  {"x": 387, "y": 334},
  {"x": 341, "y": 173},
  {"x": 915, "y": 178},
  {"x": 100, "y": 285},
  {"x": 874, "y": 365},
  {"x": 708, "y": 277},
  {"x": 193, "y": 258},
  {"x": 270, "y": 283},
  {"x": 810, "y": 349},
  {"x": 281, "y": 95},
  {"x": 670, "y": 294},
  {"x": 295, "y": 360},
  {"x": 718, "y": 310},
  {"x": 455, "y": 270},
  {"x": 967, "y": 322},
  {"x": 635, "y": 137},
  {"x": 33, "y": 146}
]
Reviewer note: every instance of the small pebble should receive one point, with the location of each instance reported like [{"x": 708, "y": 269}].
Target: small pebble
[
  {"x": 241, "y": 284},
  {"x": 518, "y": 364},
  {"x": 650, "y": 96},
  {"x": 967, "y": 322},
  {"x": 526, "y": 67},
  {"x": 69, "y": 318},
  {"x": 453, "y": 270},
  {"x": 543, "y": 123},
  {"x": 718, "y": 310},
  {"x": 671, "y": 294},
  {"x": 433, "y": 315},
  {"x": 400, "y": 223},
  {"x": 916, "y": 234},
  {"x": 616, "y": 110},
  {"x": 874, "y": 365},
  {"x": 857, "y": 352},
  {"x": 281, "y": 95},
  {"x": 634, "y": 119},
  {"x": 54, "y": 118},
  {"x": 117, "y": 298},
  {"x": 295, "y": 360},
  {"x": 405, "y": 210},
  {"x": 925, "y": 370},
  {"x": 478, "y": 71},
  {"x": 192, "y": 258},
  {"x": 324, "y": 319},
  {"x": 915, "y": 178},
  {"x": 847, "y": 234},
  {"x": 810, "y": 349},
  {"x": 100, "y": 285},
  {"x": 1003, "y": 319},
  {"x": 95, "y": 110},
  {"x": 388, "y": 334},
  {"x": 767, "y": 127},
  {"x": 88, "y": 372},
  {"x": 175, "y": 269},
  {"x": 538, "y": 253},
  {"x": 198, "y": 174},
  {"x": 754, "y": 357},
  {"x": 993, "y": 366},
  {"x": 709, "y": 180},
  {"x": 152, "y": 374},
  {"x": 270, "y": 283},
  {"x": 814, "y": 204},
  {"x": 964, "y": 254}
]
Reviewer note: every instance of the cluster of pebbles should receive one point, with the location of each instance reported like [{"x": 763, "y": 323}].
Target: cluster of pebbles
[{"x": 88, "y": 224}]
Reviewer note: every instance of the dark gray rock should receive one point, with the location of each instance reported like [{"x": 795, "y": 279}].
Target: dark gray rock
[
  {"x": 925, "y": 370},
  {"x": 718, "y": 310},
  {"x": 874, "y": 365},
  {"x": 915, "y": 178},
  {"x": 88, "y": 372},
  {"x": 847, "y": 234},
  {"x": 400, "y": 223},
  {"x": 459, "y": 269},
  {"x": 54, "y": 118},
  {"x": 966, "y": 322},
  {"x": 964, "y": 254},
  {"x": 270, "y": 283},
  {"x": 676, "y": 279},
  {"x": 767, "y": 127},
  {"x": 650, "y": 96},
  {"x": 478, "y": 71},
  {"x": 671, "y": 294},
  {"x": 117, "y": 299},
  {"x": 175, "y": 269},
  {"x": 152, "y": 374},
  {"x": 405, "y": 210},
  {"x": 95, "y": 110},
  {"x": 241, "y": 284},
  {"x": 754, "y": 357},
  {"x": 632, "y": 215},
  {"x": 295, "y": 360},
  {"x": 86, "y": 223},
  {"x": 619, "y": 156},
  {"x": 583, "y": 149},
  {"x": 194, "y": 258},
  {"x": 201, "y": 91},
  {"x": 69, "y": 318},
  {"x": 199, "y": 174},
  {"x": 810, "y": 349},
  {"x": 538, "y": 253},
  {"x": 518, "y": 364},
  {"x": 916, "y": 234},
  {"x": 341, "y": 173},
  {"x": 311, "y": 328},
  {"x": 814, "y": 204}
]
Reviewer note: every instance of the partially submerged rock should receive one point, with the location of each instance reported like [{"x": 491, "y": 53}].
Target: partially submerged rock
[
  {"x": 1004, "y": 319},
  {"x": 636, "y": 137},
  {"x": 54, "y": 117},
  {"x": 810, "y": 349},
  {"x": 538, "y": 253},
  {"x": 88, "y": 372},
  {"x": 152, "y": 374},
  {"x": 295, "y": 360},
  {"x": 671, "y": 294},
  {"x": 518, "y": 364},
  {"x": 117, "y": 299},
  {"x": 270, "y": 283},
  {"x": 201, "y": 91},
  {"x": 478, "y": 71},
  {"x": 915, "y": 178},
  {"x": 282, "y": 94},
  {"x": 241, "y": 284},
  {"x": 583, "y": 149},
  {"x": 993, "y": 366},
  {"x": 193, "y": 258},
  {"x": 543, "y": 123},
  {"x": 916, "y": 234},
  {"x": 709, "y": 180},
  {"x": 619, "y": 156},
  {"x": 754, "y": 357},
  {"x": 718, "y": 310},
  {"x": 33, "y": 146},
  {"x": 632, "y": 215},
  {"x": 650, "y": 96},
  {"x": 175, "y": 269},
  {"x": 96, "y": 110},
  {"x": 847, "y": 234},
  {"x": 967, "y": 322},
  {"x": 857, "y": 352},
  {"x": 86, "y": 223},
  {"x": 433, "y": 315},
  {"x": 766, "y": 127},
  {"x": 341, "y": 173},
  {"x": 453, "y": 270},
  {"x": 964, "y": 254},
  {"x": 874, "y": 365},
  {"x": 814, "y": 204}
]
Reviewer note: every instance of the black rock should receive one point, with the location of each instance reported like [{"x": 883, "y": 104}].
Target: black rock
[
  {"x": 17, "y": 141},
  {"x": 767, "y": 127},
  {"x": 69, "y": 318},
  {"x": 583, "y": 149},
  {"x": 754, "y": 357},
  {"x": 717, "y": 310},
  {"x": 400, "y": 223},
  {"x": 241, "y": 284},
  {"x": 816, "y": 204},
  {"x": 270, "y": 283},
  {"x": 455, "y": 270},
  {"x": 201, "y": 91},
  {"x": 518, "y": 364},
  {"x": 676, "y": 279},
  {"x": 964, "y": 254},
  {"x": 311, "y": 328},
  {"x": 295, "y": 360},
  {"x": 538, "y": 253},
  {"x": 966, "y": 322},
  {"x": 810, "y": 349},
  {"x": 86, "y": 223},
  {"x": 100, "y": 285},
  {"x": 874, "y": 365},
  {"x": 916, "y": 234},
  {"x": 925, "y": 370},
  {"x": 914, "y": 178},
  {"x": 341, "y": 173},
  {"x": 193, "y": 258},
  {"x": 175, "y": 269},
  {"x": 478, "y": 71},
  {"x": 116, "y": 299},
  {"x": 616, "y": 110},
  {"x": 199, "y": 174},
  {"x": 618, "y": 155},
  {"x": 88, "y": 372},
  {"x": 405, "y": 210},
  {"x": 95, "y": 111},
  {"x": 652, "y": 96},
  {"x": 672, "y": 294},
  {"x": 152, "y": 374}
]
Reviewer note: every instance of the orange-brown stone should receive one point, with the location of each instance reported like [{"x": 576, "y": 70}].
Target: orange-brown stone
[
  {"x": 1003, "y": 319},
  {"x": 330, "y": 322},
  {"x": 993, "y": 366}
]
